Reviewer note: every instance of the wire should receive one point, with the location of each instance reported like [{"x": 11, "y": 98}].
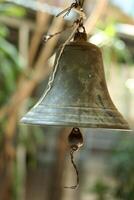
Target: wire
[
  {"x": 77, "y": 24},
  {"x": 52, "y": 77},
  {"x": 48, "y": 37},
  {"x": 76, "y": 170}
]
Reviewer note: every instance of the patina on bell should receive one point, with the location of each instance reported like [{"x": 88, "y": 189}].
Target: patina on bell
[{"x": 79, "y": 96}]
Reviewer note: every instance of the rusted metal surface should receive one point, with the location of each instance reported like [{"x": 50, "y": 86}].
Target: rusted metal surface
[{"x": 79, "y": 95}]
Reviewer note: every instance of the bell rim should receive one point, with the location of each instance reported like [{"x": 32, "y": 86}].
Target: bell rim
[{"x": 81, "y": 125}]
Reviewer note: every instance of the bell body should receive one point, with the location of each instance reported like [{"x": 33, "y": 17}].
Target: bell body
[{"x": 79, "y": 96}]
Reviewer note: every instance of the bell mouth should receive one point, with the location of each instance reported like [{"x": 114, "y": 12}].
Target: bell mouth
[
  {"x": 71, "y": 125},
  {"x": 83, "y": 117},
  {"x": 106, "y": 128}
]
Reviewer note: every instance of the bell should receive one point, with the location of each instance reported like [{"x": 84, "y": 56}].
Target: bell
[{"x": 78, "y": 96}]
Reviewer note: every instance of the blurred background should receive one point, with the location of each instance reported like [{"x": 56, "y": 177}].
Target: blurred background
[{"x": 34, "y": 161}]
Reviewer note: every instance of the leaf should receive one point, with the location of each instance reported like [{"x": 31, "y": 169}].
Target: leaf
[
  {"x": 11, "y": 53},
  {"x": 12, "y": 10},
  {"x": 3, "y": 31}
]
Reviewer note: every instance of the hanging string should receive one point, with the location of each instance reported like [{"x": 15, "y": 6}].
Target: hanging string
[
  {"x": 51, "y": 78},
  {"x": 77, "y": 24},
  {"x": 50, "y": 36},
  {"x": 76, "y": 170}
]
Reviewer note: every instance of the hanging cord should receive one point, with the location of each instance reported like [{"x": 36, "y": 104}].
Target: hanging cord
[
  {"x": 77, "y": 25},
  {"x": 78, "y": 21},
  {"x": 52, "y": 77},
  {"x": 50, "y": 36},
  {"x": 57, "y": 61},
  {"x": 76, "y": 170},
  {"x": 75, "y": 140}
]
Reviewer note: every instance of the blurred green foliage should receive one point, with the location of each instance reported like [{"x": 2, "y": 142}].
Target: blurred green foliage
[
  {"x": 123, "y": 170},
  {"x": 10, "y": 63},
  {"x": 10, "y": 67},
  {"x": 11, "y": 10},
  {"x": 114, "y": 48},
  {"x": 100, "y": 189},
  {"x": 122, "y": 162}
]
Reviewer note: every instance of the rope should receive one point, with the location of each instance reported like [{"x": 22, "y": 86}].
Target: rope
[
  {"x": 78, "y": 23},
  {"x": 76, "y": 170},
  {"x": 52, "y": 77}
]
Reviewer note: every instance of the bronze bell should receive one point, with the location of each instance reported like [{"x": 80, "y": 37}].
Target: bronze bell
[{"x": 79, "y": 96}]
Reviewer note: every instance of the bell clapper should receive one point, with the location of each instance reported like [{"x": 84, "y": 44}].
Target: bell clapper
[{"x": 75, "y": 140}]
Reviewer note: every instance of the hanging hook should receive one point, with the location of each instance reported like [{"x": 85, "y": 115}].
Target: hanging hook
[
  {"x": 78, "y": 4},
  {"x": 75, "y": 140}
]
